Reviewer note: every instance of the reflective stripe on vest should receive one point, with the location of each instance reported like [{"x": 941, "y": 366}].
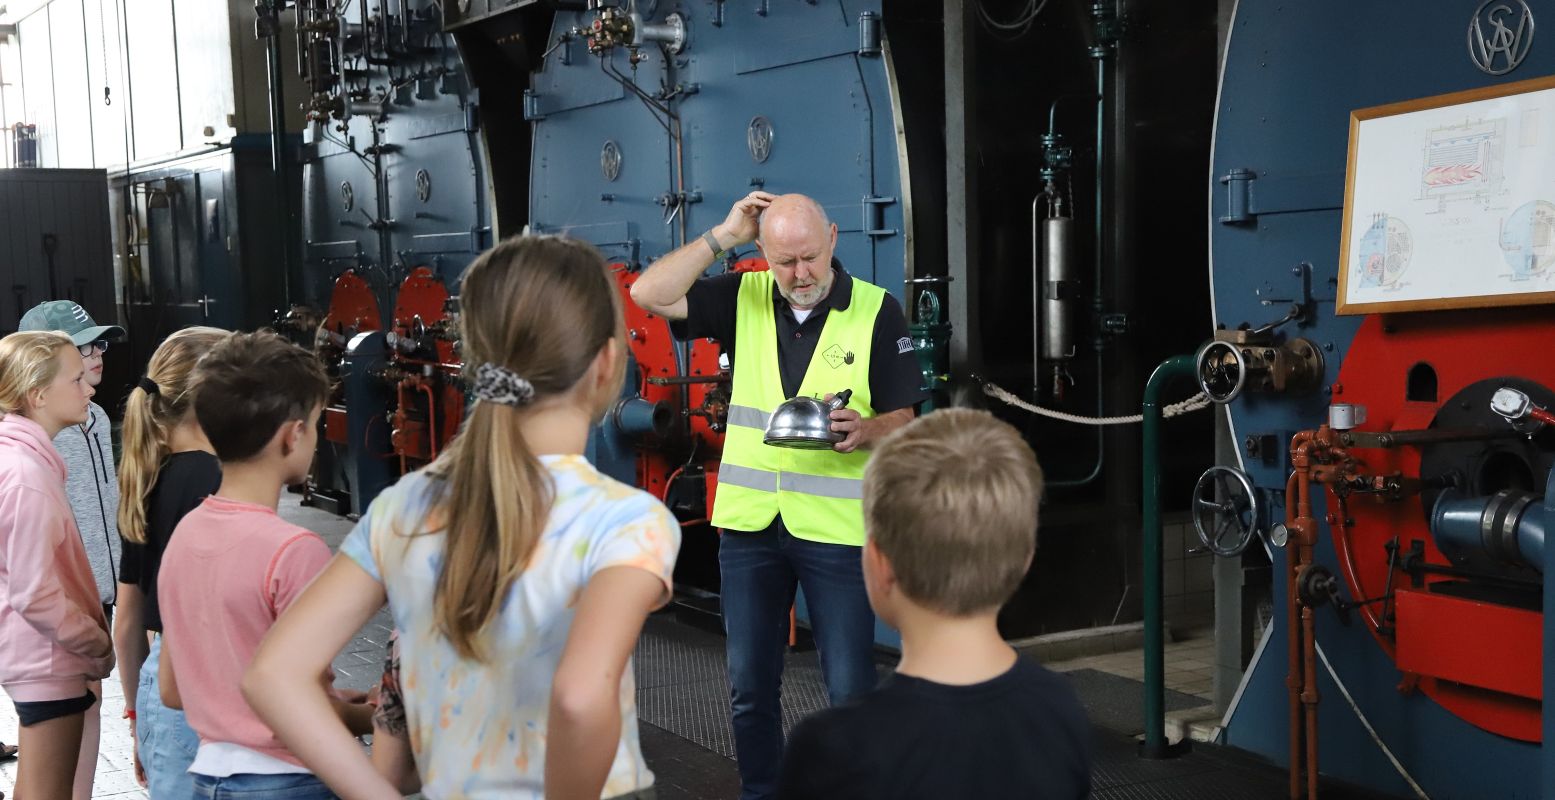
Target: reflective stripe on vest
[
  {"x": 818, "y": 492},
  {"x": 747, "y": 417}
]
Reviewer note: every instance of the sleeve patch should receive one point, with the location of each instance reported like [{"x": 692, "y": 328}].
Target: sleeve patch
[{"x": 904, "y": 345}]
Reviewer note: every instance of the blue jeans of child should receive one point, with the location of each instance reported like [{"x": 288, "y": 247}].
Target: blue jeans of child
[
  {"x": 164, "y": 740},
  {"x": 295, "y": 786},
  {"x": 759, "y": 571}
]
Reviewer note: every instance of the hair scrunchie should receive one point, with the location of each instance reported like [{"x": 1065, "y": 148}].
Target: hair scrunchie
[
  {"x": 500, "y": 385},
  {"x": 148, "y": 385}
]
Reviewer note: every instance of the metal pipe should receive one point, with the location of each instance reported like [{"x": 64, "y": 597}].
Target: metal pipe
[
  {"x": 1508, "y": 526},
  {"x": 1036, "y": 295},
  {"x": 278, "y": 143},
  {"x": 1154, "y": 744},
  {"x": 1098, "y": 299},
  {"x": 1293, "y": 640}
]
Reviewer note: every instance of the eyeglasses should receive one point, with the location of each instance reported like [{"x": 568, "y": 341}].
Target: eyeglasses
[{"x": 101, "y": 346}]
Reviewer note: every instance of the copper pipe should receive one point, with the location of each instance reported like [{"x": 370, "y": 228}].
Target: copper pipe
[
  {"x": 1309, "y": 695},
  {"x": 426, "y": 388},
  {"x": 1293, "y": 640},
  {"x": 1341, "y": 530},
  {"x": 399, "y": 396}
]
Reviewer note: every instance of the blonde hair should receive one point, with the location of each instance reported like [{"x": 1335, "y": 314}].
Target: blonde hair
[
  {"x": 149, "y": 420},
  {"x": 542, "y": 307},
  {"x": 951, "y": 501},
  {"x": 29, "y": 361}
]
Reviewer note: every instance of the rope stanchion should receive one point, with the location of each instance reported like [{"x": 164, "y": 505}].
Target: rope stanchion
[{"x": 1194, "y": 403}]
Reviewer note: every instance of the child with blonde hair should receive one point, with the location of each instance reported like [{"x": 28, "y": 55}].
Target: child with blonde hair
[
  {"x": 519, "y": 576},
  {"x": 54, "y": 643},
  {"x": 168, "y": 468},
  {"x": 950, "y": 509}
]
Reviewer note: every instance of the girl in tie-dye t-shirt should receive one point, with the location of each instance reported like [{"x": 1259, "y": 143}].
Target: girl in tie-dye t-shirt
[{"x": 518, "y": 576}]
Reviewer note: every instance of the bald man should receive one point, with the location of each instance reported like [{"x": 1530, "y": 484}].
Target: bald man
[{"x": 790, "y": 517}]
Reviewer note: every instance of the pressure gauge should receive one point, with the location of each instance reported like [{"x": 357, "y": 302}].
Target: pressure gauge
[{"x": 1278, "y": 534}]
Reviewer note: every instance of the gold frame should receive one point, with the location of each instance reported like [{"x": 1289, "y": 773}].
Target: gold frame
[{"x": 1405, "y": 107}]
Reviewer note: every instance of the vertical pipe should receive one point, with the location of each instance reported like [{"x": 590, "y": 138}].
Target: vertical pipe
[
  {"x": 1547, "y": 754},
  {"x": 278, "y": 145},
  {"x": 961, "y": 202},
  {"x": 1309, "y": 691},
  {"x": 1293, "y": 676},
  {"x": 1154, "y": 744}
]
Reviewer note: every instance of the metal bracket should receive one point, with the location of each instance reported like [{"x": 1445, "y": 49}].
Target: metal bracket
[
  {"x": 1238, "y": 183},
  {"x": 874, "y": 216},
  {"x": 869, "y": 34},
  {"x": 1304, "y": 312},
  {"x": 532, "y": 110}
]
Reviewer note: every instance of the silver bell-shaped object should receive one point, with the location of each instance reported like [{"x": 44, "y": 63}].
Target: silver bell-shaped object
[{"x": 804, "y": 423}]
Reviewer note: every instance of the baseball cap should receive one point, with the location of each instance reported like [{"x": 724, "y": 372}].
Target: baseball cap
[{"x": 70, "y": 317}]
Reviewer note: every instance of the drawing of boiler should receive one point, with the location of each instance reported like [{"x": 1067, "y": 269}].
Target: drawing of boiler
[{"x": 1463, "y": 162}]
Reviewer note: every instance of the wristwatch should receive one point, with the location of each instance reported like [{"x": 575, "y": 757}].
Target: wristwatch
[{"x": 712, "y": 244}]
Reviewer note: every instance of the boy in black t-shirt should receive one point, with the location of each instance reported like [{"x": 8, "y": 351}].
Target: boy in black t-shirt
[{"x": 950, "y": 506}]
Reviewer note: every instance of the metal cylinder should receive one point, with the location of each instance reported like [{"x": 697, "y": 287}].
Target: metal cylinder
[
  {"x": 1508, "y": 526},
  {"x": 638, "y": 417},
  {"x": 1060, "y": 289},
  {"x": 869, "y": 34}
]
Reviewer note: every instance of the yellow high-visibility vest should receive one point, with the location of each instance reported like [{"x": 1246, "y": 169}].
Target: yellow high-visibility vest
[{"x": 819, "y": 492}]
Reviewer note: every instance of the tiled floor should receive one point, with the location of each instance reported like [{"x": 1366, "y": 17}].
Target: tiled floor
[{"x": 1189, "y": 664}]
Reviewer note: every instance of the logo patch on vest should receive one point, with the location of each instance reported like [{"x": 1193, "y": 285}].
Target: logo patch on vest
[
  {"x": 903, "y": 345},
  {"x": 837, "y": 357}
]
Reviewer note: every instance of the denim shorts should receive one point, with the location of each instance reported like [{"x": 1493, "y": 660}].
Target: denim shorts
[{"x": 292, "y": 786}]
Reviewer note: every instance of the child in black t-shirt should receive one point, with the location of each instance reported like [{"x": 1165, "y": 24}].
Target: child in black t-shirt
[
  {"x": 168, "y": 468},
  {"x": 950, "y": 507}
]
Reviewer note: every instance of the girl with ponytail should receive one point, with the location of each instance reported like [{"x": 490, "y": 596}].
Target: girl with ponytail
[
  {"x": 167, "y": 469},
  {"x": 518, "y": 576}
]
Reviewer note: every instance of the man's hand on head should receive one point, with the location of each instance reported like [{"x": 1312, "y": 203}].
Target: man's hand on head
[{"x": 744, "y": 220}]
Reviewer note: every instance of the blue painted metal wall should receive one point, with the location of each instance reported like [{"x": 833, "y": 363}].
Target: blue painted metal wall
[
  {"x": 795, "y": 64},
  {"x": 1292, "y": 74},
  {"x": 416, "y": 173}
]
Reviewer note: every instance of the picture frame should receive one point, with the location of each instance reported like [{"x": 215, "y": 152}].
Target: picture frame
[{"x": 1449, "y": 202}]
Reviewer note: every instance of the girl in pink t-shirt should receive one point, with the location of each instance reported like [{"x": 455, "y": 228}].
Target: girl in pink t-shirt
[
  {"x": 518, "y": 576},
  {"x": 54, "y": 643}
]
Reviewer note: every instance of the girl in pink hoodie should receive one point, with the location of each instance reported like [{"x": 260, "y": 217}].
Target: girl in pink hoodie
[{"x": 54, "y": 642}]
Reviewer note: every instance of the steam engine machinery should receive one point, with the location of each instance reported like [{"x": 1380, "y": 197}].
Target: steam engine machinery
[
  {"x": 634, "y": 125},
  {"x": 1393, "y": 454}
]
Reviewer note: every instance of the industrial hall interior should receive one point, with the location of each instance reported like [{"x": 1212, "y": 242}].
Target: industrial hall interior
[{"x": 776, "y": 399}]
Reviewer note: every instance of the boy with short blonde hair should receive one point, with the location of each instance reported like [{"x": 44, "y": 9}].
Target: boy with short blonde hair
[{"x": 950, "y": 506}]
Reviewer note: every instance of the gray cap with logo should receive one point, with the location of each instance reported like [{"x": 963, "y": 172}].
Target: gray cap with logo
[{"x": 70, "y": 317}]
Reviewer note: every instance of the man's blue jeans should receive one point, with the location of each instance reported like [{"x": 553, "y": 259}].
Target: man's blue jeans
[{"x": 759, "y": 571}]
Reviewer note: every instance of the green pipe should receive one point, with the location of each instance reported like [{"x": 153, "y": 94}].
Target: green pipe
[{"x": 1154, "y": 744}]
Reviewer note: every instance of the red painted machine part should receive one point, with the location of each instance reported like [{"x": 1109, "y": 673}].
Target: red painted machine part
[
  {"x": 352, "y": 310},
  {"x": 1462, "y": 347},
  {"x": 352, "y": 305},
  {"x": 653, "y": 346},
  {"x": 423, "y": 294}
]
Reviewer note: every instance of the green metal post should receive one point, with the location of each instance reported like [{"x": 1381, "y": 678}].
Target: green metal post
[{"x": 1154, "y": 745}]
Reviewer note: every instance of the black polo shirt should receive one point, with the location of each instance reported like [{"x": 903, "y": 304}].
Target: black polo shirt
[{"x": 895, "y": 379}]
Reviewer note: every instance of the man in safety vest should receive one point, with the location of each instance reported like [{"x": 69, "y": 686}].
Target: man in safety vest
[{"x": 788, "y": 517}]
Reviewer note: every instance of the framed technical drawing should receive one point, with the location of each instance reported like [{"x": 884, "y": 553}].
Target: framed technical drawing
[{"x": 1449, "y": 202}]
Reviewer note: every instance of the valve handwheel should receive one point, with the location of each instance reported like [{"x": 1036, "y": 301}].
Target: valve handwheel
[
  {"x": 1222, "y": 371},
  {"x": 1225, "y": 510}
]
